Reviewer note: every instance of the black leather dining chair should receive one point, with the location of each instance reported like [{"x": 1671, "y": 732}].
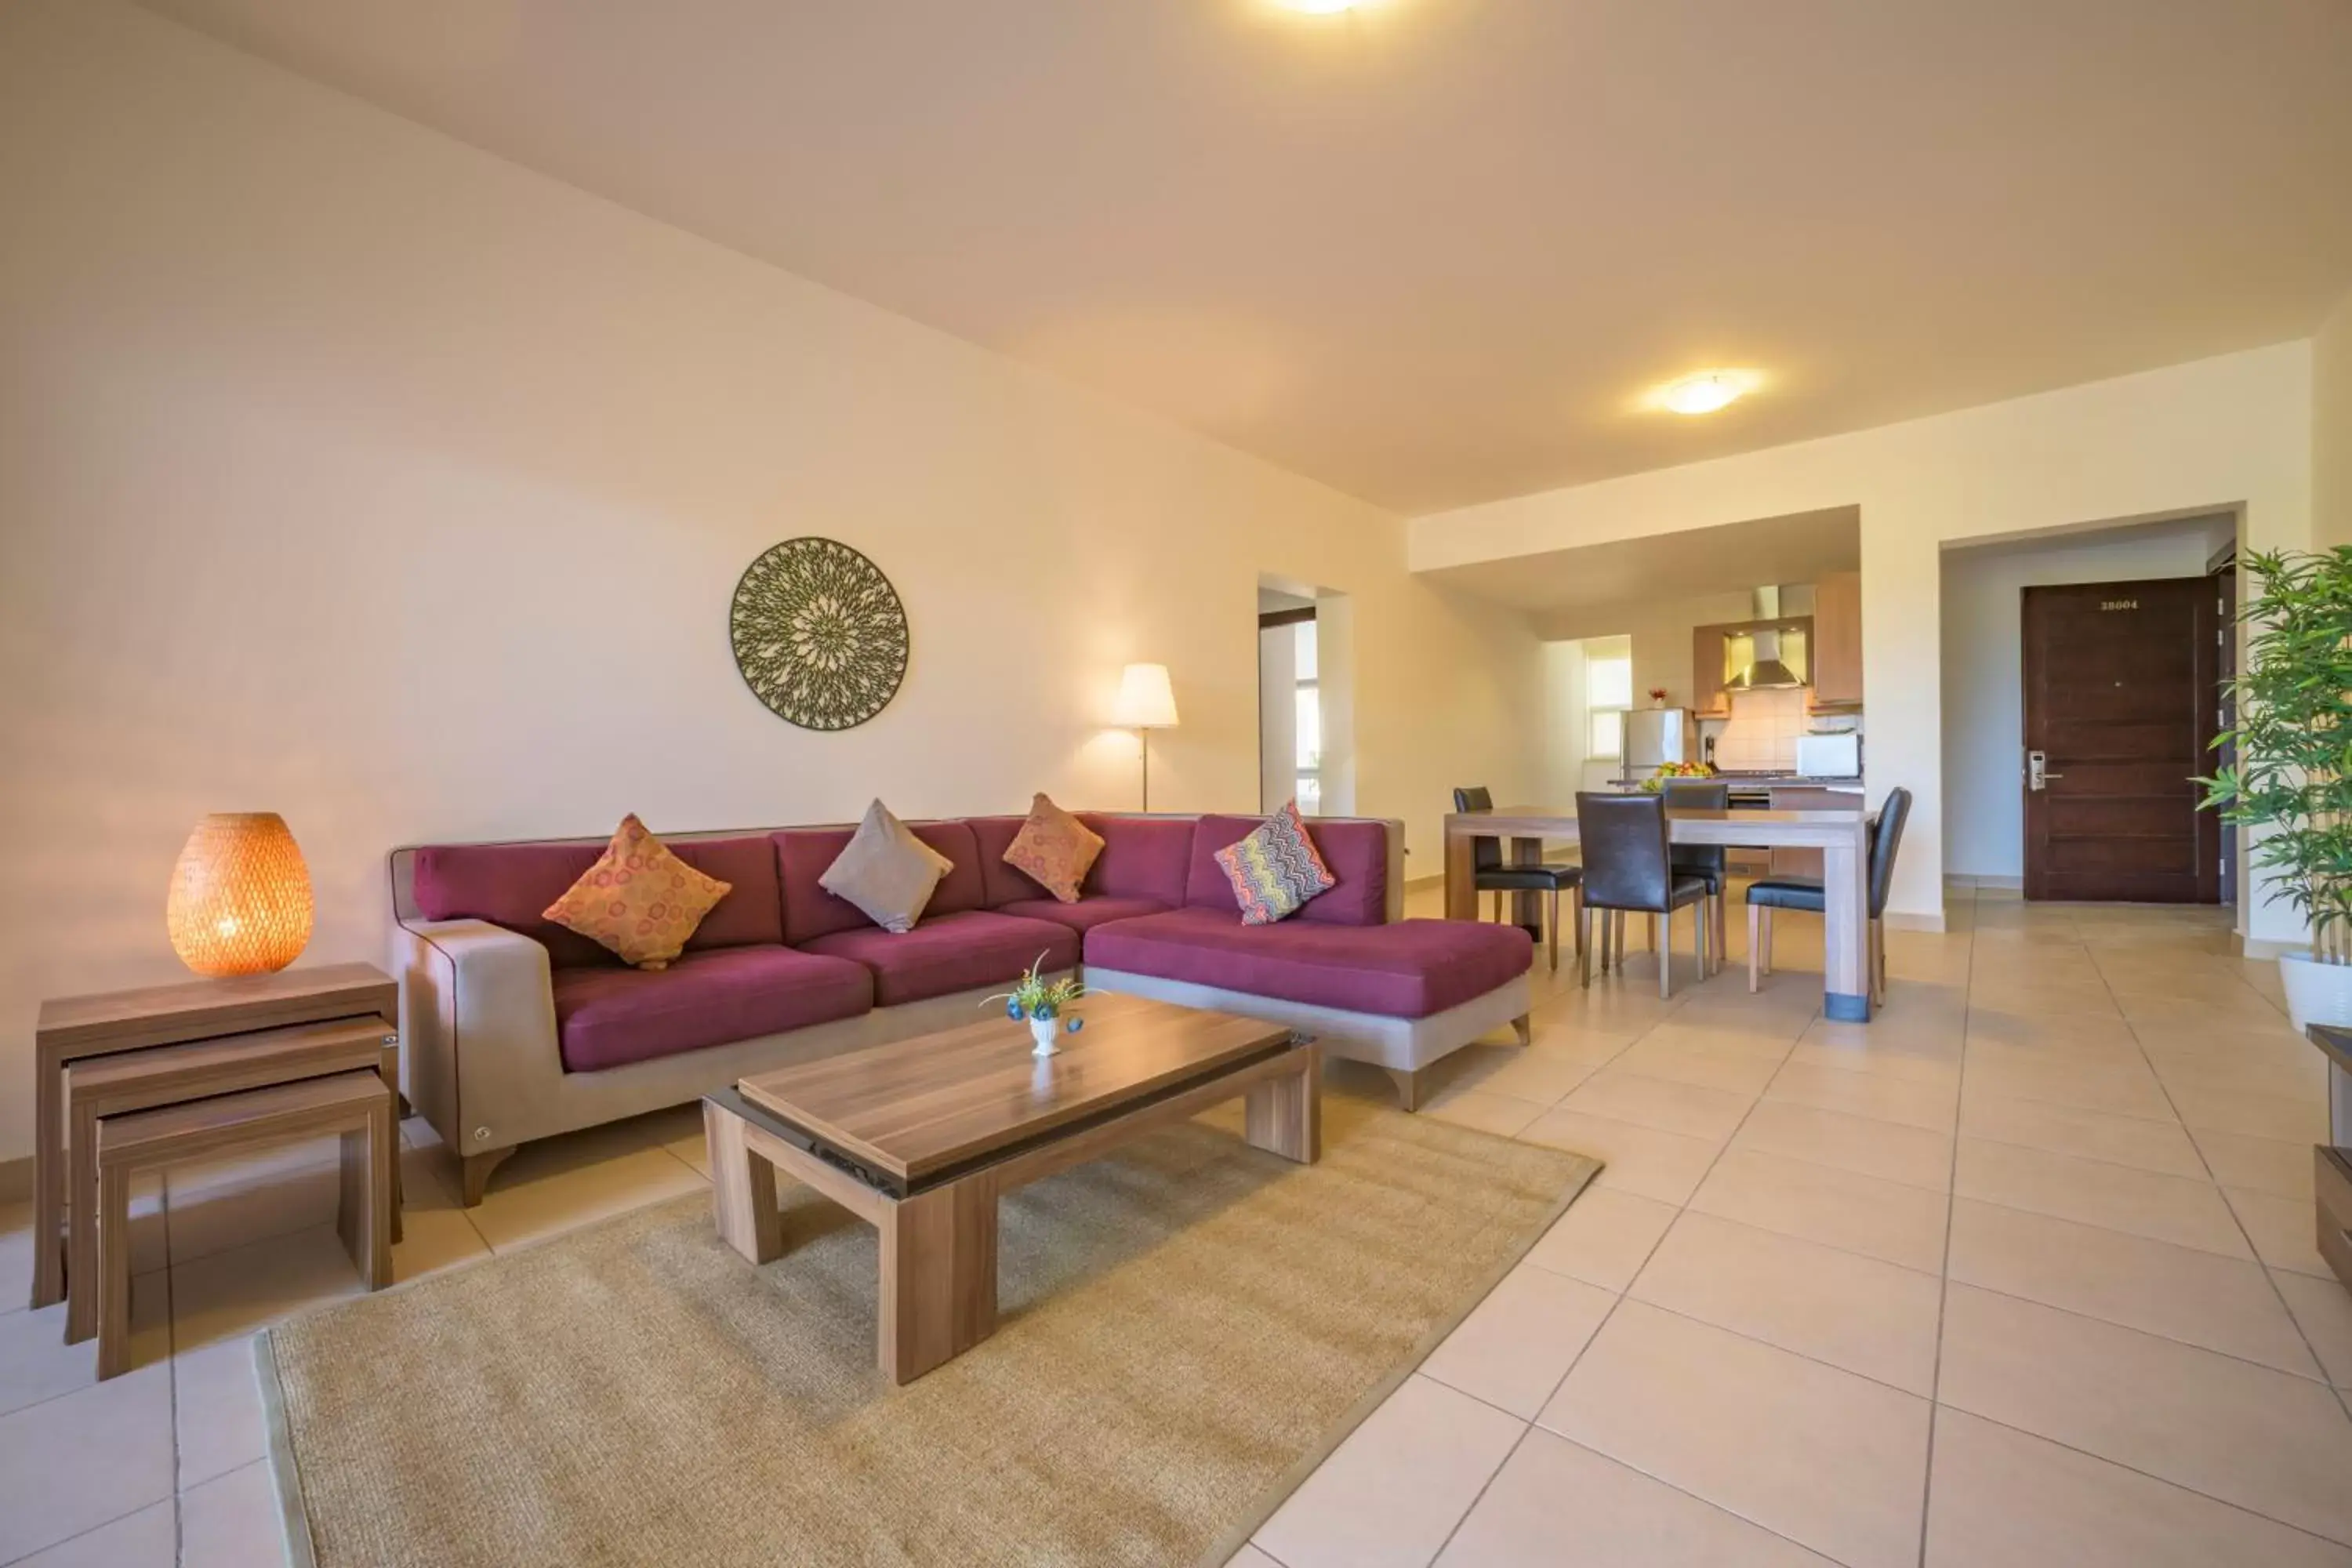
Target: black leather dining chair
[
  {"x": 1489, "y": 874},
  {"x": 1710, "y": 863},
  {"x": 1627, "y": 867},
  {"x": 1806, "y": 893}
]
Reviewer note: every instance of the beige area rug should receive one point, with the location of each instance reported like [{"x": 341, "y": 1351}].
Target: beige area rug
[{"x": 1189, "y": 1327}]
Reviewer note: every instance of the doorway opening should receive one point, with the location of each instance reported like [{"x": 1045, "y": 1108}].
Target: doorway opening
[
  {"x": 1305, "y": 700},
  {"x": 2081, "y": 694}
]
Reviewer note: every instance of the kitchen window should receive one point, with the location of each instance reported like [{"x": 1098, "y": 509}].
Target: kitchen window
[{"x": 1608, "y": 694}]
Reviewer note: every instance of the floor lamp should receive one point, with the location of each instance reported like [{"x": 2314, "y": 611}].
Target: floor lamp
[{"x": 1146, "y": 702}]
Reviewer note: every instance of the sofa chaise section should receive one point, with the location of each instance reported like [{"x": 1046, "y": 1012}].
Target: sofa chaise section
[{"x": 1398, "y": 996}]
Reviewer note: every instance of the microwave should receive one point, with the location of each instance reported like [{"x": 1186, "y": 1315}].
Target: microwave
[{"x": 1831, "y": 756}]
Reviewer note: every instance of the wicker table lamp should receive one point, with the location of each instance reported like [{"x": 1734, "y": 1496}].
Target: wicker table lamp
[{"x": 240, "y": 900}]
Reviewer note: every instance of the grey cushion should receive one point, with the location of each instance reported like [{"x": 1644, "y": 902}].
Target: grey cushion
[{"x": 888, "y": 872}]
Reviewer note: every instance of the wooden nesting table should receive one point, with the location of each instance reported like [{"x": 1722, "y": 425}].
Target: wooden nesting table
[
  {"x": 226, "y": 1015},
  {"x": 919, "y": 1138}
]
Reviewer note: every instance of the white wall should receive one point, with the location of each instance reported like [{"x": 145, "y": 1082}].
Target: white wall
[
  {"x": 1564, "y": 733},
  {"x": 351, "y": 473},
  {"x": 2331, "y": 427},
  {"x": 1983, "y": 672},
  {"x": 2202, "y": 437}
]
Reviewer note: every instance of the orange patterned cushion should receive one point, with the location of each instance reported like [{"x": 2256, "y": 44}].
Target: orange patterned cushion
[
  {"x": 1053, "y": 849},
  {"x": 639, "y": 899}
]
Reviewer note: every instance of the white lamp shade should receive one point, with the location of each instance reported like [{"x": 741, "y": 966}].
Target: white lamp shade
[{"x": 1146, "y": 701}]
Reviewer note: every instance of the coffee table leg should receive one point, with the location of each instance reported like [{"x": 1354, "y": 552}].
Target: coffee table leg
[
  {"x": 1284, "y": 1115},
  {"x": 742, "y": 1189},
  {"x": 939, "y": 1276}
]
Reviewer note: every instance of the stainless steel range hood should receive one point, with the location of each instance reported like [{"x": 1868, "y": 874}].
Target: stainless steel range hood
[{"x": 1774, "y": 608}]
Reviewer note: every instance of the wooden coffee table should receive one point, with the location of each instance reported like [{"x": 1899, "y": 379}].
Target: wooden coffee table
[{"x": 919, "y": 1138}]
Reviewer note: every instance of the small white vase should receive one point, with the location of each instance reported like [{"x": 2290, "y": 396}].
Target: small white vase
[
  {"x": 2316, "y": 993},
  {"x": 1045, "y": 1033}
]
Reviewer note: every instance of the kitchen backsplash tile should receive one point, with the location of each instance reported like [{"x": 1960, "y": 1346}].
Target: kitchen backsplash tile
[{"x": 1760, "y": 736}]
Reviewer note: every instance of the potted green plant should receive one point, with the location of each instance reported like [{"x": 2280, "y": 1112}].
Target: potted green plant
[
  {"x": 1044, "y": 1005},
  {"x": 2293, "y": 772}
]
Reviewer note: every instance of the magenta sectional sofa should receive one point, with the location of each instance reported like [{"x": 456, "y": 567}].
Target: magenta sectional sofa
[{"x": 518, "y": 1029}]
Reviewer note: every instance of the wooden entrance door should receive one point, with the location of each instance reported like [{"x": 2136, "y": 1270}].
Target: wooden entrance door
[{"x": 2120, "y": 684}]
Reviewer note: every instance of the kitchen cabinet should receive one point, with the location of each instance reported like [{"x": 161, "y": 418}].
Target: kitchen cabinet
[
  {"x": 1708, "y": 698},
  {"x": 1837, "y": 643},
  {"x": 1806, "y": 798}
]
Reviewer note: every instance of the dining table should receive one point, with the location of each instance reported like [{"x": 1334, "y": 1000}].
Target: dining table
[{"x": 1841, "y": 836}]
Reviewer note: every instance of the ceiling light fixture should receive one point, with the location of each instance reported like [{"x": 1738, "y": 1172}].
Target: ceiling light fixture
[
  {"x": 1707, "y": 391},
  {"x": 1317, "y": 7}
]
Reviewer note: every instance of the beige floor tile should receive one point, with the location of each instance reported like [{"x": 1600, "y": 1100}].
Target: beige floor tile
[
  {"x": 1888, "y": 1150},
  {"x": 1481, "y": 1111},
  {"x": 1999, "y": 1497},
  {"x": 1852, "y": 1312},
  {"x": 1924, "y": 1061},
  {"x": 2118, "y": 1088},
  {"x": 81, "y": 1460},
  {"x": 2094, "y": 1192},
  {"x": 1991, "y": 1027},
  {"x": 148, "y": 1539},
  {"x": 559, "y": 1191},
  {"x": 2246, "y": 1009},
  {"x": 1604, "y": 1237},
  {"x": 1643, "y": 1161},
  {"x": 1508, "y": 1071},
  {"x": 216, "y": 1405},
  {"x": 1516, "y": 1344},
  {"x": 1883, "y": 1097},
  {"x": 1251, "y": 1557},
  {"x": 1834, "y": 1461},
  {"x": 1395, "y": 1489},
  {"x": 2284, "y": 1231},
  {"x": 2323, "y": 1310},
  {"x": 2093, "y": 1000},
  {"x": 36, "y": 1363},
  {"x": 1686, "y": 1109},
  {"x": 2302, "y": 1076},
  {"x": 1556, "y": 1501},
  {"x": 1568, "y": 1039},
  {"x": 1682, "y": 1059},
  {"x": 233, "y": 1523},
  {"x": 1880, "y": 1219},
  {"x": 2296, "y": 1120},
  {"x": 228, "y": 1295},
  {"x": 2223, "y": 1304},
  {"x": 2259, "y": 1164},
  {"x": 2162, "y": 1147},
  {"x": 2263, "y": 1440}
]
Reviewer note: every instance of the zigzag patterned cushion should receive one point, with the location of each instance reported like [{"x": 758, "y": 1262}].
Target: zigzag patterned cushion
[{"x": 1275, "y": 870}]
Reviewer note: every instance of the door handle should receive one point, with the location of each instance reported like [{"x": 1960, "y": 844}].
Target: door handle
[{"x": 2037, "y": 770}]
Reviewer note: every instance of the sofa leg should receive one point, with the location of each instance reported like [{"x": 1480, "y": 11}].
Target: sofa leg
[
  {"x": 1524, "y": 1027},
  {"x": 1408, "y": 1086},
  {"x": 476, "y": 1169}
]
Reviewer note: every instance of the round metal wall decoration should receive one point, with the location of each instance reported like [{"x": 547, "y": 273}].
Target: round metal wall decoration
[{"x": 819, "y": 633}]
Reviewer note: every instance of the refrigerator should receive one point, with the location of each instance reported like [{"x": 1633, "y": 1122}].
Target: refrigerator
[{"x": 1654, "y": 737}]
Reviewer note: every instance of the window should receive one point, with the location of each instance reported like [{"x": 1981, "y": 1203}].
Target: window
[
  {"x": 1310, "y": 723},
  {"x": 1608, "y": 692}
]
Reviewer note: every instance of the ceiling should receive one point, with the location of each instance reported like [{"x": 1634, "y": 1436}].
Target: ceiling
[
  {"x": 1801, "y": 548},
  {"x": 1433, "y": 251}
]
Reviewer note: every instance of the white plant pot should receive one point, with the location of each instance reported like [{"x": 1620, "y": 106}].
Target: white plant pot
[
  {"x": 2316, "y": 993},
  {"x": 1045, "y": 1034}
]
